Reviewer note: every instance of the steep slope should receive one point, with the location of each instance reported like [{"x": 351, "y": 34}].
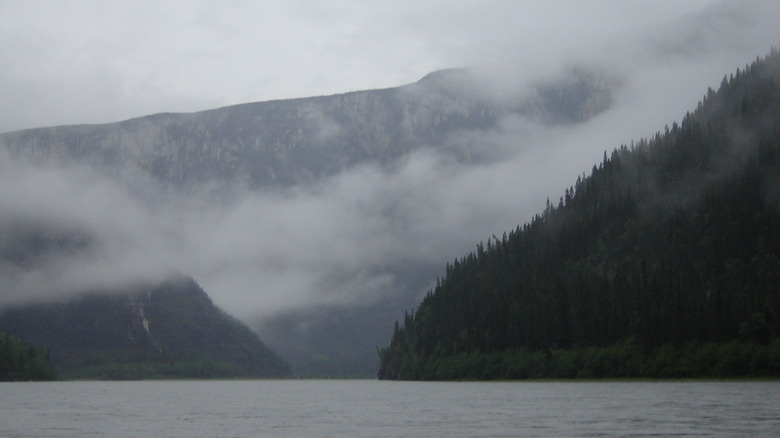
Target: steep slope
[
  {"x": 166, "y": 330},
  {"x": 665, "y": 261}
]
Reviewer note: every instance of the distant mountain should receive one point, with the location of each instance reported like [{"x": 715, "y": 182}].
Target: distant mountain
[
  {"x": 167, "y": 330},
  {"x": 664, "y": 262},
  {"x": 291, "y": 142},
  {"x": 296, "y": 141}
]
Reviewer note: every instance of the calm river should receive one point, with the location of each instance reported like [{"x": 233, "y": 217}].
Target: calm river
[{"x": 366, "y": 408}]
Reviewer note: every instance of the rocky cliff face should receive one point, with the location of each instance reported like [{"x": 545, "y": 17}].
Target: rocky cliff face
[{"x": 174, "y": 320}]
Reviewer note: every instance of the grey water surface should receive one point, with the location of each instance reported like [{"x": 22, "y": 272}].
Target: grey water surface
[{"x": 366, "y": 408}]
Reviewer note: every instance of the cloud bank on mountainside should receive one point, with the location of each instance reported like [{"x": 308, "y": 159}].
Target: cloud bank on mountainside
[{"x": 348, "y": 238}]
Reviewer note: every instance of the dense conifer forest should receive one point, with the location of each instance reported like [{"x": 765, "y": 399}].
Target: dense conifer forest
[
  {"x": 663, "y": 262},
  {"x": 21, "y": 361}
]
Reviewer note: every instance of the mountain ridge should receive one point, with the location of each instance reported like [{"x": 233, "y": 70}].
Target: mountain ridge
[{"x": 283, "y": 142}]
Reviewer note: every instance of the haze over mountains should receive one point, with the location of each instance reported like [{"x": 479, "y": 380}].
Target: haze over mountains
[
  {"x": 241, "y": 150},
  {"x": 321, "y": 218}
]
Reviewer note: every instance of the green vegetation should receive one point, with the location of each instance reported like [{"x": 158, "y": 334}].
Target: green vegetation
[
  {"x": 664, "y": 262},
  {"x": 627, "y": 359},
  {"x": 21, "y": 361},
  {"x": 136, "y": 365},
  {"x": 165, "y": 330}
]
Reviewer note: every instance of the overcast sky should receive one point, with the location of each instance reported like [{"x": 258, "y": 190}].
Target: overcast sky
[
  {"x": 91, "y": 61},
  {"x": 66, "y": 62}
]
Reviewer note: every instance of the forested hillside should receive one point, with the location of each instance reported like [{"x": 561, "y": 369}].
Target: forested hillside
[
  {"x": 167, "y": 330},
  {"x": 663, "y": 262},
  {"x": 21, "y": 361}
]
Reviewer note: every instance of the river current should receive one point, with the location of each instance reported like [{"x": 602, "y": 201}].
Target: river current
[{"x": 366, "y": 408}]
